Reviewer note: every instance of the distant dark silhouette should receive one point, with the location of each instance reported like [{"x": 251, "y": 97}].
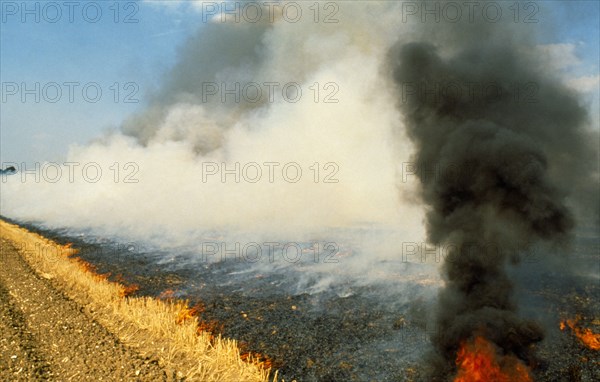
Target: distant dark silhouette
[{"x": 8, "y": 171}]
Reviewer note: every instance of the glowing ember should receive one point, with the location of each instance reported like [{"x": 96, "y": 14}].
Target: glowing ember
[
  {"x": 586, "y": 336},
  {"x": 168, "y": 294},
  {"x": 478, "y": 361}
]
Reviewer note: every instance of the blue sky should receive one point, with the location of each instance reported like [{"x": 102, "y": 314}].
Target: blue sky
[
  {"x": 104, "y": 53},
  {"x": 136, "y": 55}
]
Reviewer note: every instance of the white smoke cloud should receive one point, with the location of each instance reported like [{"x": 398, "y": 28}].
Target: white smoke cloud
[
  {"x": 167, "y": 148},
  {"x": 558, "y": 56},
  {"x": 585, "y": 84}
]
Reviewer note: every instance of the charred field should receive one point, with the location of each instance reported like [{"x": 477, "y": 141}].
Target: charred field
[
  {"x": 353, "y": 190},
  {"x": 346, "y": 330}
]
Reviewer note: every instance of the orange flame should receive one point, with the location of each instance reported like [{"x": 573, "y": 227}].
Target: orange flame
[
  {"x": 90, "y": 268},
  {"x": 586, "y": 336},
  {"x": 128, "y": 290},
  {"x": 256, "y": 358},
  {"x": 68, "y": 250},
  {"x": 478, "y": 361},
  {"x": 213, "y": 326},
  {"x": 187, "y": 313}
]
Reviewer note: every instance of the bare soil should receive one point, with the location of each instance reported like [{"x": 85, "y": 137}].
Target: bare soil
[{"x": 44, "y": 335}]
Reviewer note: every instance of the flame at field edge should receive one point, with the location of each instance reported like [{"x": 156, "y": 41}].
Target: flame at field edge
[
  {"x": 478, "y": 361},
  {"x": 586, "y": 336}
]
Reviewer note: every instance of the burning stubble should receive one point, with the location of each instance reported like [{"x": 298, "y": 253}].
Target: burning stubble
[
  {"x": 520, "y": 170},
  {"x": 475, "y": 99}
]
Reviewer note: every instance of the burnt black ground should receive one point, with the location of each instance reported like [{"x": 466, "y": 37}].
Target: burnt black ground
[{"x": 348, "y": 332}]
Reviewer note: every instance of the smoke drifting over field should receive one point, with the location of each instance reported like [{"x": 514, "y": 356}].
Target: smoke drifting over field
[
  {"x": 501, "y": 147},
  {"x": 510, "y": 152},
  {"x": 187, "y": 130}
]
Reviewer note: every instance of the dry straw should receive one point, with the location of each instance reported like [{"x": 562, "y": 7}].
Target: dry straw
[{"x": 149, "y": 325}]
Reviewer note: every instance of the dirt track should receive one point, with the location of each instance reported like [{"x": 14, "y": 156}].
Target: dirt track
[{"x": 44, "y": 335}]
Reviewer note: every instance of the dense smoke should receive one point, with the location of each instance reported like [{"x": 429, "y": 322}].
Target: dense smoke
[
  {"x": 189, "y": 122},
  {"x": 502, "y": 153},
  {"x": 502, "y": 158},
  {"x": 183, "y": 108}
]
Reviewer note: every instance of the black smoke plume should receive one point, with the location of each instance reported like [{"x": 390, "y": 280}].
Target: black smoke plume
[{"x": 502, "y": 154}]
